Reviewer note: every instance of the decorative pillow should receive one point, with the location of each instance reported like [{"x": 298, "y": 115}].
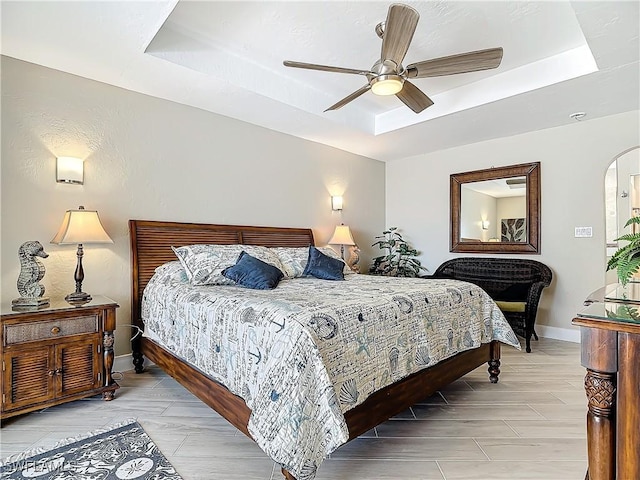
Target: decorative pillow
[
  {"x": 294, "y": 259},
  {"x": 323, "y": 266},
  {"x": 204, "y": 263},
  {"x": 171, "y": 272},
  {"x": 330, "y": 252},
  {"x": 253, "y": 273}
]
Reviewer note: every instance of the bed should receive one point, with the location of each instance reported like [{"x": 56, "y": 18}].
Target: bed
[{"x": 151, "y": 243}]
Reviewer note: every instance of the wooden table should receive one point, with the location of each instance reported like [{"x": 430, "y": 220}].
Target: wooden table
[
  {"x": 610, "y": 339},
  {"x": 55, "y": 354}
]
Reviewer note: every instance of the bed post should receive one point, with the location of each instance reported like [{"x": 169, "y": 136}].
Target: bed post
[
  {"x": 494, "y": 363},
  {"x": 138, "y": 326},
  {"x": 287, "y": 475},
  {"x": 138, "y": 359}
]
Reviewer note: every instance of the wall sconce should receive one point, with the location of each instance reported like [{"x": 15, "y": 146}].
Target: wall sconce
[
  {"x": 336, "y": 202},
  {"x": 70, "y": 170},
  {"x": 485, "y": 224}
]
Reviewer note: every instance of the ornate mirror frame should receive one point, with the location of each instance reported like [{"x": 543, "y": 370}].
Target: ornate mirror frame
[{"x": 532, "y": 245}]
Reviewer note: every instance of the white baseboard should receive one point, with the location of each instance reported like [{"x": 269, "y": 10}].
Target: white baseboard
[
  {"x": 566, "y": 334},
  {"x": 122, "y": 363}
]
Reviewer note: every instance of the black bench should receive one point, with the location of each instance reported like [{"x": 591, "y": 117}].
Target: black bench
[{"x": 515, "y": 285}]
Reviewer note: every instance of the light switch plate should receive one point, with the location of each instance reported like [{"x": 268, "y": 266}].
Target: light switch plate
[{"x": 584, "y": 232}]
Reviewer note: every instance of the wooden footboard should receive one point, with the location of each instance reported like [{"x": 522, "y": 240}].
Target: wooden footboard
[
  {"x": 151, "y": 246},
  {"x": 378, "y": 408}
]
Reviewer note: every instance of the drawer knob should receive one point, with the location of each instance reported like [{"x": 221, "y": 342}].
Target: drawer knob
[{"x": 55, "y": 330}]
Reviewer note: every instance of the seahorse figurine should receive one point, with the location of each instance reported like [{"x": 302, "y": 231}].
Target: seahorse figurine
[
  {"x": 354, "y": 258},
  {"x": 31, "y": 272}
]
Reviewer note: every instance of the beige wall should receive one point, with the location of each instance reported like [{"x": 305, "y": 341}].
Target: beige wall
[
  {"x": 148, "y": 158},
  {"x": 573, "y": 159},
  {"x": 475, "y": 208}
]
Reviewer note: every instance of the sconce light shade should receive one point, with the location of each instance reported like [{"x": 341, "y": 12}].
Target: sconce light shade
[
  {"x": 336, "y": 202},
  {"x": 70, "y": 170},
  {"x": 485, "y": 224}
]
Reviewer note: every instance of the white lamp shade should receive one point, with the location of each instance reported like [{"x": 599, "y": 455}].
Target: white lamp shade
[
  {"x": 342, "y": 236},
  {"x": 70, "y": 170},
  {"x": 336, "y": 202},
  {"x": 81, "y": 226}
]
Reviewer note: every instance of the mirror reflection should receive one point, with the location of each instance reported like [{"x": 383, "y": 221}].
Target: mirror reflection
[{"x": 494, "y": 210}]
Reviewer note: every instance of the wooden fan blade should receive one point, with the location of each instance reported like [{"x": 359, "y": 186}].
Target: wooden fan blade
[
  {"x": 401, "y": 23},
  {"x": 461, "y": 63},
  {"x": 324, "y": 68},
  {"x": 413, "y": 97},
  {"x": 349, "y": 98}
]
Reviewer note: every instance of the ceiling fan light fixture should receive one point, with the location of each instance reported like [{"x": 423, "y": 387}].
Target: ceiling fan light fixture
[{"x": 386, "y": 84}]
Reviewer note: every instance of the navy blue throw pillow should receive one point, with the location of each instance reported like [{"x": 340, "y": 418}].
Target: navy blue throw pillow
[
  {"x": 251, "y": 272},
  {"x": 322, "y": 266}
]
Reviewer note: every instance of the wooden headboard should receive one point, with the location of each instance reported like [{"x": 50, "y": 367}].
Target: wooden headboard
[{"x": 151, "y": 243}]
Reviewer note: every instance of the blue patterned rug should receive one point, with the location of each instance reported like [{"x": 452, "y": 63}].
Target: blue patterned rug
[{"x": 121, "y": 452}]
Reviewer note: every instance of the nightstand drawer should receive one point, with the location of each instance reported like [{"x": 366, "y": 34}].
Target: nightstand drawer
[{"x": 62, "y": 327}]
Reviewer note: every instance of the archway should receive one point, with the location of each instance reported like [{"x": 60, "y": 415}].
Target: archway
[{"x": 622, "y": 198}]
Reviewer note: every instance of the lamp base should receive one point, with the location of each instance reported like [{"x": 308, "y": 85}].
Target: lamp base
[{"x": 77, "y": 298}]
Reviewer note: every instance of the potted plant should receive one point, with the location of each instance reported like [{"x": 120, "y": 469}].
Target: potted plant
[
  {"x": 627, "y": 258},
  {"x": 399, "y": 257}
]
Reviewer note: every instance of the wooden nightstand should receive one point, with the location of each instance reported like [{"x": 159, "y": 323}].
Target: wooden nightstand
[{"x": 56, "y": 354}]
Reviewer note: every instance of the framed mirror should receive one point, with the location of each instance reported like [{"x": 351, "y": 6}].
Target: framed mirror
[{"x": 496, "y": 210}]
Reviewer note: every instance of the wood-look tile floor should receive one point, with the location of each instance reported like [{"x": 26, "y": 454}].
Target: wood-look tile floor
[{"x": 531, "y": 425}]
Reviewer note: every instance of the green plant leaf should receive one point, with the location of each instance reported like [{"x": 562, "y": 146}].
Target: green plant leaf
[{"x": 632, "y": 220}]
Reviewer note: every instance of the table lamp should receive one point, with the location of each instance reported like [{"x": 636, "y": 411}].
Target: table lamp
[
  {"x": 342, "y": 236},
  {"x": 80, "y": 227}
]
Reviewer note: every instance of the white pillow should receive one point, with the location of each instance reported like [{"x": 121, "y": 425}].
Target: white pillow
[
  {"x": 204, "y": 263},
  {"x": 171, "y": 272}
]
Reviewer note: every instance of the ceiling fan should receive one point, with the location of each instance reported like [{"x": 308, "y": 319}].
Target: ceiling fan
[{"x": 388, "y": 77}]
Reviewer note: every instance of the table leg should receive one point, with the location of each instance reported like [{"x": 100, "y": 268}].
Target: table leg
[
  {"x": 107, "y": 344},
  {"x": 628, "y": 418},
  {"x": 601, "y": 427}
]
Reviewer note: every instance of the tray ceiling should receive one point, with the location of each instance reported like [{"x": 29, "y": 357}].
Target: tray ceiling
[{"x": 226, "y": 57}]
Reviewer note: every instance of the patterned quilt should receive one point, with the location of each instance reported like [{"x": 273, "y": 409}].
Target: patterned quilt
[{"x": 306, "y": 352}]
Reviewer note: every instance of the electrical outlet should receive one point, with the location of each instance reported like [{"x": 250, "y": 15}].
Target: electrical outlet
[{"x": 584, "y": 232}]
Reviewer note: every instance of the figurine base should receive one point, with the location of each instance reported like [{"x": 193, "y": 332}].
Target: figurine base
[{"x": 29, "y": 303}]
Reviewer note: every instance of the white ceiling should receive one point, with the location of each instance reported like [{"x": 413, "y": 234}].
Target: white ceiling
[
  {"x": 499, "y": 188},
  {"x": 226, "y": 57}
]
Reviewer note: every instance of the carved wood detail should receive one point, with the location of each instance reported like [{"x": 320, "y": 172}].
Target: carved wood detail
[
  {"x": 494, "y": 370},
  {"x": 601, "y": 392}
]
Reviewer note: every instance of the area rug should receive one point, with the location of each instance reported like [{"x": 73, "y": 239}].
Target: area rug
[{"x": 119, "y": 452}]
